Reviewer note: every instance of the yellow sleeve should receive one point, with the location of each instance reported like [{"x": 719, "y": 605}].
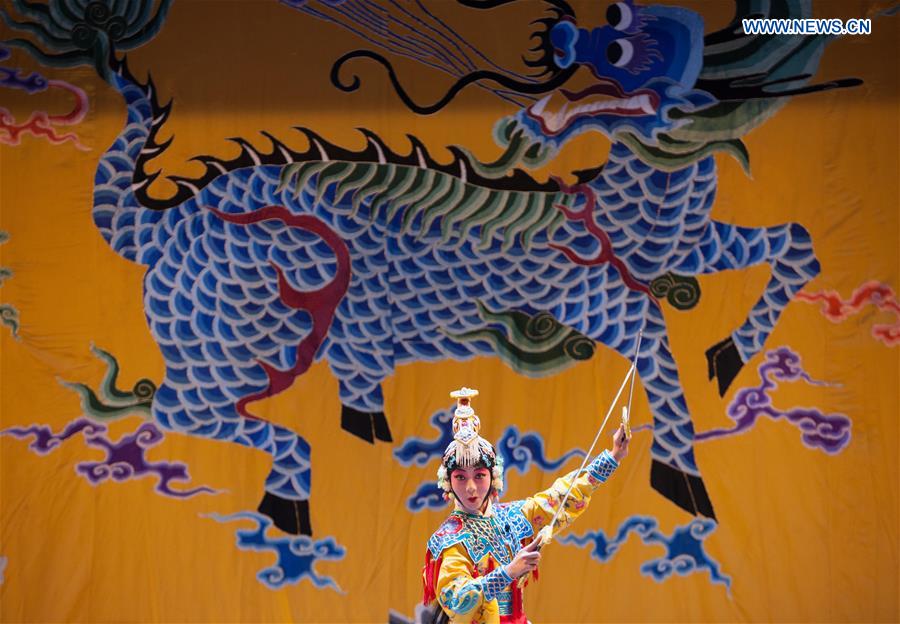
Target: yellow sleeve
[
  {"x": 540, "y": 508},
  {"x": 458, "y": 592}
]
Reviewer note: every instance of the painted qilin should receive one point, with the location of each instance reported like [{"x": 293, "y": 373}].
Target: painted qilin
[{"x": 371, "y": 259}]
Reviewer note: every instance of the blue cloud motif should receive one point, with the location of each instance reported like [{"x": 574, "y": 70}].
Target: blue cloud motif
[
  {"x": 685, "y": 553},
  {"x": 418, "y": 451},
  {"x": 520, "y": 451},
  {"x": 297, "y": 556},
  {"x": 684, "y": 549},
  {"x": 605, "y": 548},
  {"x": 428, "y": 496}
]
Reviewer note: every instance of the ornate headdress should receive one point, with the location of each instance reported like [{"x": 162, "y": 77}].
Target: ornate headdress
[{"x": 468, "y": 449}]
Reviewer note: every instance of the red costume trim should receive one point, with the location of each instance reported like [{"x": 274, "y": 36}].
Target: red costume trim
[{"x": 430, "y": 577}]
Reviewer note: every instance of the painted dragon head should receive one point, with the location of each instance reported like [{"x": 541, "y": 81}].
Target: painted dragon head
[
  {"x": 662, "y": 87},
  {"x": 657, "y": 82},
  {"x": 644, "y": 62}
]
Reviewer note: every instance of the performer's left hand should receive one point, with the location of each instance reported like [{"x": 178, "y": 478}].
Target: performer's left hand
[{"x": 620, "y": 444}]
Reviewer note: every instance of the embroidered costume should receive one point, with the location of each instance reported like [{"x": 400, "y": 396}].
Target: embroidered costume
[{"x": 466, "y": 557}]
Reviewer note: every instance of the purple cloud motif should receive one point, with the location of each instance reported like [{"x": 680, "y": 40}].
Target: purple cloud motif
[
  {"x": 44, "y": 438},
  {"x": 40, "y": 123},
  {"x": 12, "y": 79},
  {"x": 684, "y": 549},
  {"x": 3, "y": 562},
  {"x": 126, "y": 460},
  {"x": 828, "y": 432},
  {"x": 297, "y": 555}
]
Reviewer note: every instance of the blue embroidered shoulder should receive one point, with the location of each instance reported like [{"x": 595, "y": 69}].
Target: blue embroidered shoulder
[{"x": 499, "y": 534}]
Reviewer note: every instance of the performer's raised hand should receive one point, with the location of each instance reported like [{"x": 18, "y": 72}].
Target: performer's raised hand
[
  {"x": 620, "y": 444},
  {"x": 526, "y": 560}
]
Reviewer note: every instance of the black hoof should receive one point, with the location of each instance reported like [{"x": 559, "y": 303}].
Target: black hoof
[
  {"x": 686, "y": 491},
  {"x": 369, "y": 426},
  {"x": 724, "y": 363},
  {"x": 291, "y": 516}
]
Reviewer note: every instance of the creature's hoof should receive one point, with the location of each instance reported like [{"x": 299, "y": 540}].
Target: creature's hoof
[
  {"x": 724, "y": 363},
  {"x": 686, "y": 491},
  {"x": 369, "y": 426},
  {"x": 291, "y": 516}
]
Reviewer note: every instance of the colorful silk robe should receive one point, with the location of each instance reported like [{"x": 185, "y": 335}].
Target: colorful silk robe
[{"x": 464, "y": 564}]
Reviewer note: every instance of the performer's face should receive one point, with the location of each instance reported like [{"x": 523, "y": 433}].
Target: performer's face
[{"x": 471, "y": 486}]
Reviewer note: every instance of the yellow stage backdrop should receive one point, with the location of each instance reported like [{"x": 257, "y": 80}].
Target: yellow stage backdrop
[{"x": 224, "y": 399}]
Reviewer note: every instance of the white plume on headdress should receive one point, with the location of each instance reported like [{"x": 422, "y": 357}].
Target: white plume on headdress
[{"x": 468, "y": 448}]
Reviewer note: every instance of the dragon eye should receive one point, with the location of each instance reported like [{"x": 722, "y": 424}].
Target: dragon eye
[
  {"x": 619, "y": 52},
  {"x": 619, "y": 15}
]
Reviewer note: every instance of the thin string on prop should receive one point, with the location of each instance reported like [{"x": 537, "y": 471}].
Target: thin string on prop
[
  {"x": 626, "y": 411},
  {"x": 546, "y": 534}
]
